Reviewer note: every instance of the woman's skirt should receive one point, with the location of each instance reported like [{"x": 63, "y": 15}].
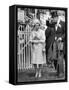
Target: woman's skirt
[{"x": 37, "y": 54}]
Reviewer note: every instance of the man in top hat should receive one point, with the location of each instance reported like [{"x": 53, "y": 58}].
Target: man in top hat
[{"x": 54, "y": 31}]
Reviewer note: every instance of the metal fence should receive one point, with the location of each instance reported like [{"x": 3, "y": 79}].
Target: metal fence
[{"x": 24, "y": 48}]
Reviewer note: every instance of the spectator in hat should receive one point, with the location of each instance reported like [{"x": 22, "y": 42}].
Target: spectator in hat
[{"x": 37, "y": 39}]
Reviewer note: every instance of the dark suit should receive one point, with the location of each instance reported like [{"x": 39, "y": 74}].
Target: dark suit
[
  {"x": 61, "y": 33},
  {"x": 50, "y": 38}
]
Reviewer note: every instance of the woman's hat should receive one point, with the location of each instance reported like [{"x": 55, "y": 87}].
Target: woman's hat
[
  {"x": 36, "y": 21},
  {"x": 60, "y": 13}
]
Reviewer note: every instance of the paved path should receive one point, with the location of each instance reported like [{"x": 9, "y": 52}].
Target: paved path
[{"x": 47, "y": 74}]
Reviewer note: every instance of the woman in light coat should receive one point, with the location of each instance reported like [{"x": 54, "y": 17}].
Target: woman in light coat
[{"x": 37, "y": 39}]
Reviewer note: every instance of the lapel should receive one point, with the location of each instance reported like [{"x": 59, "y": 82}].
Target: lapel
[{"x": 59, "y": 26}]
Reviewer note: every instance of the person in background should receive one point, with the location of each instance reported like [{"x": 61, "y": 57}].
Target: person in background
[
  {"x": 50, "y": 36},
  {"x": 37, "y": 39},
  {"x": 60, "y": 38}
]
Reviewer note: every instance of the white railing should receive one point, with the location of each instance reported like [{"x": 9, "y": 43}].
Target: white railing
[{"x": 24, "y": 49}]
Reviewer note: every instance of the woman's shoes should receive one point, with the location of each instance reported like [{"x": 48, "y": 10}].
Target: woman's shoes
[{"x": 38, "y": 75}]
